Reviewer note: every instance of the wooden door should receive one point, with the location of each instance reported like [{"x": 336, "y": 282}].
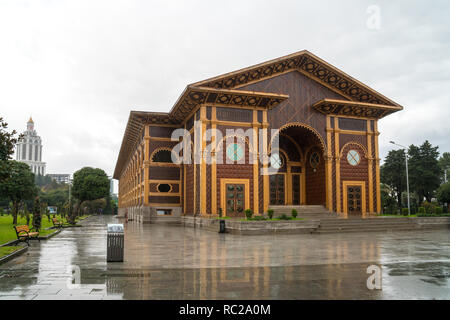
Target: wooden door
[
  {"x": 235, "y": 195},
  {"x": 354, "y": 200},
  {"x": 295, "y": 189},
  {"x": 277, "y": 192}
]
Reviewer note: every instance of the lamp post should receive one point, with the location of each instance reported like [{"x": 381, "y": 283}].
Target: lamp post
[{"x": 407, "y": 176}]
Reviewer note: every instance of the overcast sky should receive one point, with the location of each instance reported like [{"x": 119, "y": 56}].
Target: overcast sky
[{"x": 79, "y": 67}]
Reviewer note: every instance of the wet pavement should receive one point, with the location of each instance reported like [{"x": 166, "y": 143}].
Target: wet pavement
[{"x": 173, "y": 262}]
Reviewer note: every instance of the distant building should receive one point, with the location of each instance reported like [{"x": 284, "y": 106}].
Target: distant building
[
  {"x": 60, "y": 178},
  {"x": 29, "y": 149}
]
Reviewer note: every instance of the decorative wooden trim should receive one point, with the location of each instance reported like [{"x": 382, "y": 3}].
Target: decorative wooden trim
[
  {"x": 224, "y": 182},
  {"x": 302, "y": 125},
  {"x": 166, "y": 181},
  {"x": 151, "y": 204},
  {"x": 366, "y": 154},
  {"x": 163, "y": 163},
  {"x": 165, "y": 194},
  {"x": 361, "y": 184},
  {"x": 355, "y": 109}
]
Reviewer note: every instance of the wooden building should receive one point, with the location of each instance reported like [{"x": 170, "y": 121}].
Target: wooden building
[{"x": 327, "y": 152}]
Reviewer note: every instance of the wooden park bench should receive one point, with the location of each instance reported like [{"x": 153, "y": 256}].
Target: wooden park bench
[
  {"x": 24, "y": 233},
  {"x": 57, "y": 223}
]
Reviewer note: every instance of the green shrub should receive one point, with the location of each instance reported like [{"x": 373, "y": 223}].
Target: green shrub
[
  {"x": 294, "y": 213},
  {"x": 258, "y": 218},
  {"x": 1, "y": 212},
  {"x": 421, "y": 210},
  {"x": 405, "y": 211},
  {"x": 248, "y": 213},
  {"x": 220, "y": 212},
  {"x": 270, "y": 213},
  {"x": 438, "y": 210},
  {"x": 429, "y": 208},
  {"x": 284, "y": 217}
]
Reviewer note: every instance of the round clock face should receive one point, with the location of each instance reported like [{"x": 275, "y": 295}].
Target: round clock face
[
  {"x": 314, "y": 160},
  {"x": 353, "y": 157},
  {"x": 235, "y": 152},
  {"x": 276, "y": 161}
]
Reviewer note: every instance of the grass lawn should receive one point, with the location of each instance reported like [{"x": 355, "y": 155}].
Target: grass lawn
[
  {"x": 7, "y": 232},
  {"x": 4, "y": 251},
  {"x": 274, "y": 219},
  {"x": 399, "y": 215}
]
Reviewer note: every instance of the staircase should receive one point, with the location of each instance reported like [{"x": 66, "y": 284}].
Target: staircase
[
  {"x": 365, "y": 225},
  {"x": 311, "y": 212}
]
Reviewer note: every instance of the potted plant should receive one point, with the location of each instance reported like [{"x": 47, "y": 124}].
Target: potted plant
[
  {"x": 248, "y": 213},
  {"x": 294, "y": 213},
  {"x": 270, "y": 213}
]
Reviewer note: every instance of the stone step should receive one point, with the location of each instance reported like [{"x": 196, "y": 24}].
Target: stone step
[
  {"x": 331, "y": 223},
  {"x": 322, "y": 227},
  {"x": 362, "y": 230}
]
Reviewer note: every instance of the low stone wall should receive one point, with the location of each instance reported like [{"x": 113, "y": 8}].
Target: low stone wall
[
  {"x": 251, "y": 227},
  {"x": 433, "y": 222},
  {"x": 145, "y": 214}
]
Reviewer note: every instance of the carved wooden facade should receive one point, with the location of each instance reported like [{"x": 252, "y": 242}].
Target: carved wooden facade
[{"x": 328, "y": 143}]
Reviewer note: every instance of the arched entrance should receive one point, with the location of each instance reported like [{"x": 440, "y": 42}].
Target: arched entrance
[{"x": 301, "y": 176}]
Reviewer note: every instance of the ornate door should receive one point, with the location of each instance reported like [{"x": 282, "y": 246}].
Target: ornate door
[
  {"x": 295, "y": 189},
  {"x": 354, "y": 200},
  {"x": 277, "y": 189},
  {"x": 235, "y": 194}
]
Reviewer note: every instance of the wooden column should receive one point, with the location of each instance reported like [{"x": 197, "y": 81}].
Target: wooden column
[
  {"x": 146, "y": 164},
  {"x": 255, "y": 158},
  {"x": 377, "y": 166},
  {"x": 370, "y": 165},
  {"x": 338, "y": 164},
  {"x": 214, "y": 164},
  {"x": 328, "y": 168},
  {"x": 265, "y": 126},
  {"x": 203, "y": 162}
]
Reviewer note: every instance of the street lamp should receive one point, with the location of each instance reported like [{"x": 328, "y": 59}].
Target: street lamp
[{"x": 407, "y": 177}]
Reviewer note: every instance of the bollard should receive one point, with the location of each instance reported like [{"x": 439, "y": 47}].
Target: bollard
[{"x": 222, "y": 226}]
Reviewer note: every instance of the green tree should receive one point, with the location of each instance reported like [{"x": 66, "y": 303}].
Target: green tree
[
  {"x": 90, "y": 184},
  {"x": 7, "y": 141},
  {"x": 393, "y": 173},
  {"x": 424, "y": 170},
  {"x": 443, "y": 193},
  {"x": 37, "y": 214},
  {"x": 55, "y": 197},
  {"x": 444, "y": 164},
  {"x": 18, "y": 185}
]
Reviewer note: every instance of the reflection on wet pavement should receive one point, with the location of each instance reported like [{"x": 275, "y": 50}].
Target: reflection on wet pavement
[{"x": 173, "y": 262}]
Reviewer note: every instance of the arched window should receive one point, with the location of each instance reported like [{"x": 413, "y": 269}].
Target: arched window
[{"x": 162, "y": 156}]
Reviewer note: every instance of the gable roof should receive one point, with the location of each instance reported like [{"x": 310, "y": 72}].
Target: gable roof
[{"x": 362, "y": 100}]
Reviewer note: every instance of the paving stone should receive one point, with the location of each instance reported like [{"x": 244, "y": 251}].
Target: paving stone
[{"x": 173, "y": 262}]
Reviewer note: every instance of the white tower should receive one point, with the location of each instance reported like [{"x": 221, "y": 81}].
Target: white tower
[{"x": 29, "y": 150}]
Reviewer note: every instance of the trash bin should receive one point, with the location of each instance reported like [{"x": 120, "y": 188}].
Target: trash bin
[
  {"x": 115, "y": 243},
  {"x": 222, "y": 226}
]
